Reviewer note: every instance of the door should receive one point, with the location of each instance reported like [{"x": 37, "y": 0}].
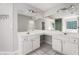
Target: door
[
  {"x": 27, "y": 46},
  {"x": 70, "y": 48},
  {"x": 56, "y": 45},
  {"x": 58, "y": 24},
  {"x": 43, "y": 25}
]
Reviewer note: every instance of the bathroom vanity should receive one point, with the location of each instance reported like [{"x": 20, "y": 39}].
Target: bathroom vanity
[
  {"x": 66, "y": 44},
  {"x": 62, "y": 43},
  {"x": 29, "y": 41}
]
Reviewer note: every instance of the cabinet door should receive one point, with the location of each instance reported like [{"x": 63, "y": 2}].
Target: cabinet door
[
  {"x": 56, "y": 45},
  {"x": 27, "y": 46},
  {"x": 70, "y": 48},
  {"x": 36, "y": 42}
]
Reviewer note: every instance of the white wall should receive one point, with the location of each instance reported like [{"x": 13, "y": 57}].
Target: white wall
[
  {"x": 38, "y": 24},
  {"x": 6, "y": 28},
  {"x": 48, "y": 24}
]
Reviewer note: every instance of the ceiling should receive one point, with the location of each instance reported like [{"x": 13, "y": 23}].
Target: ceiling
[
  {"x": 51, "y": 8},
  {"x": 44, "y": 6}
]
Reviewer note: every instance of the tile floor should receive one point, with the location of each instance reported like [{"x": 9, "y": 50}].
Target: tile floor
[{"x": 45, "y": 49}]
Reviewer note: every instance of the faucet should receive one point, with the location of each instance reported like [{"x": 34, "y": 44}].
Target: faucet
[
  {"x": 27, "y": 33},
  {"x": 65, "y": 33}
]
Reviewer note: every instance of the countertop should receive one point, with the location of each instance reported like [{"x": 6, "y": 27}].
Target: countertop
[{"x": 56, "y": 34}]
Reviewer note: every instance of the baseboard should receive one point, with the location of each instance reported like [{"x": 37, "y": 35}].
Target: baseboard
[{"x": 9, "y": 53}]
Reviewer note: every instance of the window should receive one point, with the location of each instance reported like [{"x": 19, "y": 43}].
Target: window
[{"x": 72, "y": 25}]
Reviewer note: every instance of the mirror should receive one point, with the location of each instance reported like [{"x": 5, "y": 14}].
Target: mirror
[{"x": 25, "y": 23}]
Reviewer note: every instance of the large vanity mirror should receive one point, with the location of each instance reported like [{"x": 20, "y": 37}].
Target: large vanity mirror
[
  {"x": 25, "y": 23},
  {"x": 71, "y": 24},
  {"x": 67, "y": 24}
]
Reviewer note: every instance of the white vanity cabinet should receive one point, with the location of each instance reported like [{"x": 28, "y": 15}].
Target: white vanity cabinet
[
  {"x": 70, "y": 48},
  {"x": 36, "y": 42},
  {"x": 27, "y": 45},
  {"x": 35, "y": 39},
  {"x": 57, "y": 45},
  {"x": 30, "y": 43},
  {"x": 66, "y": 44}
]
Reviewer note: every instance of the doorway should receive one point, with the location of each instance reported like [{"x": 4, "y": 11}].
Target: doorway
[{"x": 43, "y": 25}]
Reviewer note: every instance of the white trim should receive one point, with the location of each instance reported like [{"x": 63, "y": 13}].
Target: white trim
[{"x": 9, "y": 53}]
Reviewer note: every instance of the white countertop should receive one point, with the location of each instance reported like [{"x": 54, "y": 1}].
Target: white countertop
[
  {"x": 39, "y": 32},
  {"x": 54, "y": 34}
]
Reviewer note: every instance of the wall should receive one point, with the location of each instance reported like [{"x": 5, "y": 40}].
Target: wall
[
  {"x": 38, "y": 24},
  {"x": 6, "y": 28},
  {"x": 49, "y": 26}
]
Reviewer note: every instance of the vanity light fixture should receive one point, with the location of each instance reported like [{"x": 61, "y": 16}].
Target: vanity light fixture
[
  {"x": 70, "y": 9},
  {"x": 66, "y": 8}
]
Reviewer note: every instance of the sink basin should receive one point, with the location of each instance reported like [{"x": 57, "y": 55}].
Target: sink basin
[{"x": 28, "y": 33}]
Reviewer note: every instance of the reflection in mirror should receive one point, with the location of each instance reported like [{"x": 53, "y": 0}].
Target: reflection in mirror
[
  {"x": 71, "y": 24},
  {"x": 25, "y": 23}
]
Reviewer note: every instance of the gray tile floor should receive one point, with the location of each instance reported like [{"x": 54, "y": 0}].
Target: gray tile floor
[{"x": 45, "y": 49}]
